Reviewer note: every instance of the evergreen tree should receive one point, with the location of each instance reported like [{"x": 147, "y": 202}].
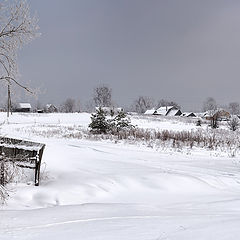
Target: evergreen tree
[
  {"x": 99, "y": 122},
  {"x": 120, "y": 122}
]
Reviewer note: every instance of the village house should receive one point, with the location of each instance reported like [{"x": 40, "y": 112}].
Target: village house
[
  {"x": 50, "y": 108},
  {"x": 168, "y": 111},
  {"x": 150, "y": 112},
  {"x": 189, "y": 114},
  {"x": 220, "y": 114},
  {"x": 23, "y": 107}
]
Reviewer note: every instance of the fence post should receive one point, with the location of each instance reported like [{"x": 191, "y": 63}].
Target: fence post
[{"x": 2, "y": 171}]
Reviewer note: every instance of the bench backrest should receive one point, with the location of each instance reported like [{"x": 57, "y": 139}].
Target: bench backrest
[{"x": 25, "y": 154}]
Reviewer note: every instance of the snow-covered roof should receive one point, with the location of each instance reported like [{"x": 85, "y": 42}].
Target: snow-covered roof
[
  {"x": 187, "y": 114},
  {"x": 150, "y": 112},
  {"x": 163, "y": 110},
  {"x": 173, "y": 112},
  {"x": 50, "y": 105},
  {"x": 24, "y": 105}
]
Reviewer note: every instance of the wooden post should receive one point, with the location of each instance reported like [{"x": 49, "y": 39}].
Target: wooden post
[
  {"x": 8, "y": 101},
  {"x": 38, "y": 166},
  {"x": 2, "y": 171}
]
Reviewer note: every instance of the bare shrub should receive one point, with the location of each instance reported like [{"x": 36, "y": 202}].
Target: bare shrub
[
  {"x": 3, "y": 194},
  {"x": 221, "y": 140},
  {"x": 198, "y": 123},
  {"x": 8, "y": 172},
  {"x": 233, "y": 124}
]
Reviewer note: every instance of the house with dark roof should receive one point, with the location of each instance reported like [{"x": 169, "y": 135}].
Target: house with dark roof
[
  {"x": 168, "y": 111},
  {"x": 189, "y": 114},
  {"x": 150, "y": 112},
  {"x": 50, "y": 108},
  {"x": 219, "y": 114},
  {"x": 23, "y": 107}
]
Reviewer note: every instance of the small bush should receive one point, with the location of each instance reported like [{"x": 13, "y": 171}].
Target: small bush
[
  {"x": 233, "y": 124},
  {"x": 8, "y": 173},
  {"x": 199, "y": 123},
  {"x": 3, "y": 194}
]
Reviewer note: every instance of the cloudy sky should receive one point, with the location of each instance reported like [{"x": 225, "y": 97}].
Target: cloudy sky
[{"x": 181, "y": 50}]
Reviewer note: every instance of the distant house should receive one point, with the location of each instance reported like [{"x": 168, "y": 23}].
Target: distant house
[
  {"x": 189, "y": 114},
  {"x": 220, "y": 114},
  {"x": 50, "y": 108},
  {"x": 207, "y": 115},
  {"x": 168, "y": 111},
  {"x": 150, "y": 112},
  {"x": 23, "y": 107}
]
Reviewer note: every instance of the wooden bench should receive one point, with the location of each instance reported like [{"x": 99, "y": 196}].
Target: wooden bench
[{"x": 24, "y": 154}]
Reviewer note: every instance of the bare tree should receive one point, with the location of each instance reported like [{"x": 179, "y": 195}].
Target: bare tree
[
  {"x": 102, "y": 96},
  {"x": 143, "y": 103},
  {"x": 39, "y": 105},
  {"x": 214, "y": 122},
  {"x": 78, "y": 106},
  {"x": 233, "y": 123},
  {"x": 209, "y": 104},
  {"x": 89, "y": 106},
  {"x": 164, "y": 103},
  {"x": 234, "y": 108},
  {"x": 17, "y": 27},
  {"x": 69, "y": 105}
]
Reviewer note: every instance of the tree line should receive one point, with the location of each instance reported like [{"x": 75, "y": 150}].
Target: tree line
[{"x": 102, "y": 97}]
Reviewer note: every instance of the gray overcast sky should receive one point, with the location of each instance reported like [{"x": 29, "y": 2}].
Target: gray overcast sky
[{"x": 182, "y": 50}]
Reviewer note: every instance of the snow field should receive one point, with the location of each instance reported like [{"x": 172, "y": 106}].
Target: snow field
[{"x": 101, "y": 190}]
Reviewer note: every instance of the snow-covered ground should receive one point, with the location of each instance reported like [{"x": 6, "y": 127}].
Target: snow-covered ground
[{"x": 102, "y": 190}]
